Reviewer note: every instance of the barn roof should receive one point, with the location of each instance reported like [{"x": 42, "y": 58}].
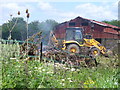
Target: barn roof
[{"x": 101, "y": 23}]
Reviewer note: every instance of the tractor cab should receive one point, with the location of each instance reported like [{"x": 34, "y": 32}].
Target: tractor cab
[
  {"x": 73, "y": 39},
  {"x": 74, "y": 34},
  {"x": 87, "y": 36}
]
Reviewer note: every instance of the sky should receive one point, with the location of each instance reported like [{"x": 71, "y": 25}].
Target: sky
[{"x": 59, "y": 10}]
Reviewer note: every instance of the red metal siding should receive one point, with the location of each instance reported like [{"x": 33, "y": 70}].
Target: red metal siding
[
  {"x": 99, "y": 31},
  {"x": 110, "y": 30}
]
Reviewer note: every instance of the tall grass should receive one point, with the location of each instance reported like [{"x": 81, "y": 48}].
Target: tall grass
[{"x": 54, "y": 75}]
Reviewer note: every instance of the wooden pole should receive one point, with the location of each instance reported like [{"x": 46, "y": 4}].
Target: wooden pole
[
  {"x": 41, "y": 51},
  {"x": 27, "y": 36}
]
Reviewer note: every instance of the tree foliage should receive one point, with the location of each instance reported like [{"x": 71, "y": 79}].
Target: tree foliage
[
  {"x": 19, "y": 32},
  {"x": 45, "y": 27},
  {"x": 33, "y": 28},
  {"x": 113, "y": 22}
]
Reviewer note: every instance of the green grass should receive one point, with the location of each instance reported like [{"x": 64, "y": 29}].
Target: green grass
[{"x": 17, "y": 73}]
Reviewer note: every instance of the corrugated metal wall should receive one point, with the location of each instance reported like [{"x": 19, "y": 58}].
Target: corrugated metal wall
[{"x": 98, "y": 31}]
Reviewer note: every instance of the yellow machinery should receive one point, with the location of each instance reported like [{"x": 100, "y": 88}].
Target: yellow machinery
[{"x": 74, "y": 41}]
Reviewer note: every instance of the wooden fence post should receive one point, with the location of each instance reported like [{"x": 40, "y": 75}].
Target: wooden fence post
[{"x": 41, "y": 45}]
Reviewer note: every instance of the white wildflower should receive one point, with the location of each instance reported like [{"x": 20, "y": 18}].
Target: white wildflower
[
  {"x": 72, "y": 69},
  {"x": 40, "y": 68},
  {"x": 70, "y": 81},
  {"x": 49, "y": 72},
  {"x": 78, "y": 70},
  {"x": 43, "y": 69},
  {"x": 116, "y": 83},
  {"x": 63, "y": 79},
  {"x": 17, "y": 60},
  {"x": 12, "y": 58},
  {"x": 35, "y": 67},
  {"x": 56, "y": 65},
  {"x": 68, "y": 78},
  {"x": 63, "y": 84},
  {"x": 18, "y": 66},
  {"x": 40, "y": 71},
  {"x": 67, "y": 68},
  {"x": 8, "y": 75}
]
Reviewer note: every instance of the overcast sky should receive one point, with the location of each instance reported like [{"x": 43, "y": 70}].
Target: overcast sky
[{"x": 59, "y": 10}]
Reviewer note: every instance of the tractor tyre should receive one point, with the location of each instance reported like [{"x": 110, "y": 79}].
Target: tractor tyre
[
  {"x": 73, "y": 48},
  {"x": 94, "y": 52}
]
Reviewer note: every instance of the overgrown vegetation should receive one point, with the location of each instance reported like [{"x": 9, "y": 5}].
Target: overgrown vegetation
[{"x": 19, "y": 73}]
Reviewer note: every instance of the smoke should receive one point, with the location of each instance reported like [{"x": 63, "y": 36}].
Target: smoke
[{"x": 46, "y": 27}]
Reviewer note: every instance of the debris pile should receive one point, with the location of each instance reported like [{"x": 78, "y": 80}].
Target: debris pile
[
  {"x": 31, "y": 45},
  {"x": 69, "y": 58}
]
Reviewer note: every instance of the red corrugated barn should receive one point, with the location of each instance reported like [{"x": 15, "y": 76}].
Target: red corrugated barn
[
  {"x": 102, "y": 32},
  {"x": 99, "y": 30}
]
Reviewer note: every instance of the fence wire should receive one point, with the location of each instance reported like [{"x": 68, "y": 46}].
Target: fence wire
[{"x": 42, "y": 57}]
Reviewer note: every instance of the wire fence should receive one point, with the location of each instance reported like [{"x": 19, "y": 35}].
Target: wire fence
[{"x": 53, "y": 56}]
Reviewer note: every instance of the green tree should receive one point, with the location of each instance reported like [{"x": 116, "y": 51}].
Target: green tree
[
  {"x": 113, "y": 22},
  {"x": 19, "y": 30},
  {"x": 5, "y": 31},
  {"x": 33, "y": 28},
  {"x": 45, "y": 27},
  {"x": 0, "y": 32}
]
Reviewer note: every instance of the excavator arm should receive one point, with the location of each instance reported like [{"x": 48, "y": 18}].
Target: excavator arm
[{"x": 52, "y": 39}]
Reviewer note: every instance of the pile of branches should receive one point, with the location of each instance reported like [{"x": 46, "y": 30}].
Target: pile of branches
[
  {"x": 70, "y": 58},
  {"x": 31, "y": 45}
]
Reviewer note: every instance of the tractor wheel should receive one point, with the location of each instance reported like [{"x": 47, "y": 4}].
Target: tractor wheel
[
  {"x": 95, "y": 52},
  {"x": 73, "y": 48}
]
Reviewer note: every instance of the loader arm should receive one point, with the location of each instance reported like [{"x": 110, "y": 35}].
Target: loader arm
[
  {"x": 52, "y": 39},
  {"x": 93, "y": 43}
]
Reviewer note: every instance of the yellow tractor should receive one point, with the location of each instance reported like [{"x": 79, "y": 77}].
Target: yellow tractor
[{"x": 74, "y": 41}]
